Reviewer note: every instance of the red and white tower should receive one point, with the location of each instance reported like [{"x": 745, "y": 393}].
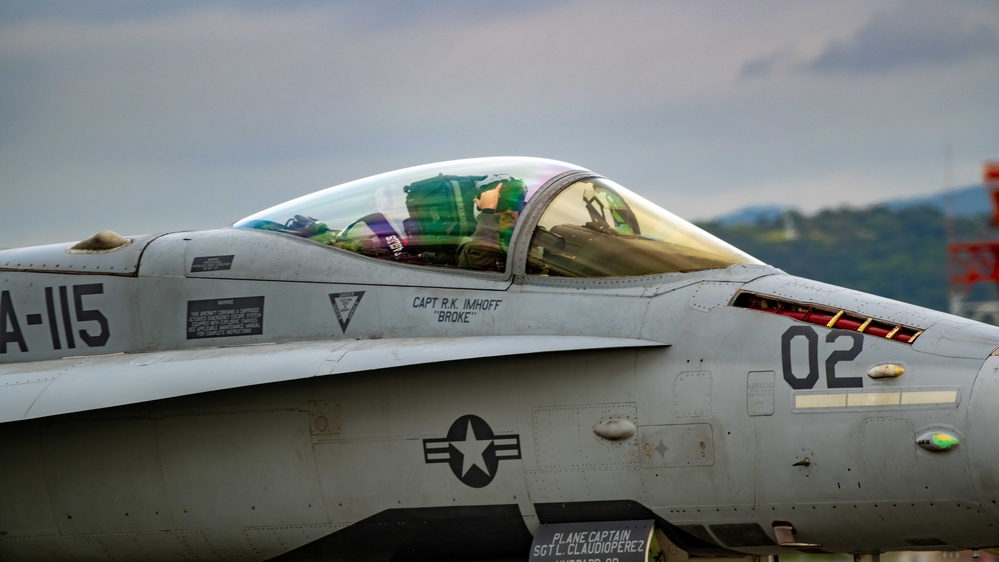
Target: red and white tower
[{"x": 974, "y": 263}]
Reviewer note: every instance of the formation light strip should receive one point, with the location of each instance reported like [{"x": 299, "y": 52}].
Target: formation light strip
[{"x": 847, "y": 400}]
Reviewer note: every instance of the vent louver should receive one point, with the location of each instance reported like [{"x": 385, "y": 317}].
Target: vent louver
[{"x": 828, "y": 317}]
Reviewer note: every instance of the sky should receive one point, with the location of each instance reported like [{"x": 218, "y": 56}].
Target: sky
[{"x": 145, "y": 117}]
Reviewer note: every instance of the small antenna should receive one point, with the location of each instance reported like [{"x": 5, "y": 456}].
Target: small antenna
[{"x": 949, "y": 189}]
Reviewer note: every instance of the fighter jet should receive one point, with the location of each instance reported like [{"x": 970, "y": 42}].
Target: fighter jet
[{"x": 487, "y": 359}]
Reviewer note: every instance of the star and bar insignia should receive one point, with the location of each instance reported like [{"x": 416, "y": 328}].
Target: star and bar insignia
[{"x": 472, "y": 450}]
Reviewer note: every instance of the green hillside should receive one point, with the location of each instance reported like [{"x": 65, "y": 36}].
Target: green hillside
[{"x": 899, "y": 254}]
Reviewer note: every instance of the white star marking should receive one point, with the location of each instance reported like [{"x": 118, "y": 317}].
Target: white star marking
[{"x": 471, "y": 451}]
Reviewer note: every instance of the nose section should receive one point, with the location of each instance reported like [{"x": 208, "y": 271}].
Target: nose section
[{"x": 983, "y": 436}]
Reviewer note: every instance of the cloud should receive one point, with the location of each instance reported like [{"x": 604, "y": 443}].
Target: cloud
[
  {"x": 915, "y": 35},
  {"x": 118, "y": 115},
  {"x": 767, "y": 64}
]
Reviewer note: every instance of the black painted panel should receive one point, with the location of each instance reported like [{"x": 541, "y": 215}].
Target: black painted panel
[{"x": 483, "y": 532}]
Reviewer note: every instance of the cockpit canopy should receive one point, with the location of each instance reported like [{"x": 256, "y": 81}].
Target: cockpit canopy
[{"x": 464, "y": 214}]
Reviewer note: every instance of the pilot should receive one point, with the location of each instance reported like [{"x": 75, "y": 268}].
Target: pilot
[
  {"x": 372, "y": 235},
  {"x": 500, "y": 201}
]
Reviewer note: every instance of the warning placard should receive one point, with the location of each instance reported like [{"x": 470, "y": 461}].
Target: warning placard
[
  {"x": 211, "y": 263},
  {"x": 220, "y": 318}
]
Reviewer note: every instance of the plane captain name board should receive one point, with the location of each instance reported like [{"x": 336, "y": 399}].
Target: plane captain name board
[{"x": 599, "y": 541}]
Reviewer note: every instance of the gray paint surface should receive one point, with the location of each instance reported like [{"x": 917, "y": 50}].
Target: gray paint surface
[{"x": 346, "y": 394}]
